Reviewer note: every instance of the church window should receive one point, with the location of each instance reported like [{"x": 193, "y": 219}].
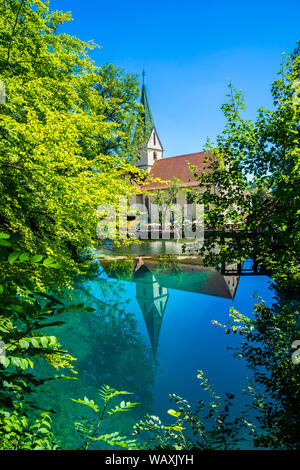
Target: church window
[
  {"x": 154, "y": 156},
  {"x": 154, "y": 138}
]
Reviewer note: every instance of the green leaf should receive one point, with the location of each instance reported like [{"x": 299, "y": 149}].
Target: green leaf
[
  {"x": 44, "y": 430},
  {"x": 44, "y": 341},
  {"x": 174, "y": 413},
  {"x": 5, "y": 361},
  {"x": 54, "y": 265},
  {"x": 87, "y": 402},
  {"x": 24, "y": 257},
  {"x": 16, "y": 308},
  {"x": 13, "y": 256},
  {"x": 5, "y": 242},
  {"x": 49, "y": 297},
  {"x": 36, "y": 258},
  {"x": 35, "y": 343},
  {"x": 15, "y": 361},
  {"x": 23, "y": 364},
  {"x": 24, "y": 343},
  {"x": 48, "y": 261},
  {"x": 175, "y": 428}
]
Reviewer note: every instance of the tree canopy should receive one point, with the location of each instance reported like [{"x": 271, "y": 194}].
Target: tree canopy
[
  {"x": 66, "y": 133},
  {"x": 265, "y": 152}
]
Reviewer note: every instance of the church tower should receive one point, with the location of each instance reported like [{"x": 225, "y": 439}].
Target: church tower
[{"x": 153, "y": 149}]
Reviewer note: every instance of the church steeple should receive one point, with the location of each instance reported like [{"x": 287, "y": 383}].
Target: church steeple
[
  {"x": 153, "y": 149},
  {"x": 146, "y": 115}
]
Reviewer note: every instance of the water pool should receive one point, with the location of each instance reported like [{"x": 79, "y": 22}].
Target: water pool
[{"x": 150, "y": 333}]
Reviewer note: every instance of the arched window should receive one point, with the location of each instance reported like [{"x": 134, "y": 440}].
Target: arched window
[
  {"x": 154, "y": 156},
  {"x": 154, "y": 138}
]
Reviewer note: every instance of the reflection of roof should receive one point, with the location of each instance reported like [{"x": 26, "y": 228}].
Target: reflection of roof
[
  {"x": 177, "y": 167},
  {"x": 188, "y": 277},
  {"x": 201, "y": 279},
  {"x": 152, "y": 284}
]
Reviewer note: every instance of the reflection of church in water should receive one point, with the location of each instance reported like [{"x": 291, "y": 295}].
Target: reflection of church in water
[
  {"x": 152, "y": 298},
  {"x": 153, "y": 284}
]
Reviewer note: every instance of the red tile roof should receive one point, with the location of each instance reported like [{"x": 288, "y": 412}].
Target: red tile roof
[{"x": 176, "y": 167}]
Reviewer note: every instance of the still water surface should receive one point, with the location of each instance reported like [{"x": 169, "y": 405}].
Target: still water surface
[{"x": 150, "y": 333}]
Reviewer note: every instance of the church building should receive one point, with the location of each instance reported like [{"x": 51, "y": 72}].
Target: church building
[{"x": 157, "y": 167}]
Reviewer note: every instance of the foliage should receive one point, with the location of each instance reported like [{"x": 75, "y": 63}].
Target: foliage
[
  {"x": 24, "y": 313},
  {"x": 260, "y": 194},
  {"x": 167, "y": 197},
  {"x": 66, "y": 136},
  {"x": 66, "y": 146},
  {"x": 18, "y": 433},
  {"x": 89, "y": 428},
  {"x": 121, "y": 268},
  {"x": 165, "y": 200},
  {"x": 199, "y": 429},
  {"x": 267, "y": 348},
  {"x": 268, "y": 151}
]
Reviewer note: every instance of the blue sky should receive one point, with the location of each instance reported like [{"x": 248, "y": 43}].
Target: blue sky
[{"x": 190, "y": 50}]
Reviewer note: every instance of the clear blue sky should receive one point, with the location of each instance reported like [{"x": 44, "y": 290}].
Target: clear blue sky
[{"x": 190, "y": 49}]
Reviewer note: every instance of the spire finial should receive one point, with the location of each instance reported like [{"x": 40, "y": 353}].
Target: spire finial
[{"x": 143, "y": 77}]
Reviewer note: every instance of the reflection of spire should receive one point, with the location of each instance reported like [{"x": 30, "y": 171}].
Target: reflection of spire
[
  {"x": 152, "y": 299},
  {"x": 153, "y": 281},
  {"x": 231, "y": 277}
]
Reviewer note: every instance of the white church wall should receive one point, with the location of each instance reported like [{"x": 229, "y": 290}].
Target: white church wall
[{"x": 151, "y": 153}]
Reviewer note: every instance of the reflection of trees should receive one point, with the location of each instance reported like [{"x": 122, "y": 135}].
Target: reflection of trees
[
  {"x": 267, "y": 348},
  {"x": 117, "y": 353},
  {"x": 109, "y": 350},
  {"x": 169, "y": 263},
  {"x": 122, "y": 268}
]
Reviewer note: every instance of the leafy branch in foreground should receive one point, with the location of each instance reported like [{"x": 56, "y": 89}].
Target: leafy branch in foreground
[
  {"x": 266, "y": 345},
  {"x": 89, "y": 428},
  {"x": 199, "y": 429},
  {"x": 17, "y": 432},
  {"x": 24, "y": 314}
]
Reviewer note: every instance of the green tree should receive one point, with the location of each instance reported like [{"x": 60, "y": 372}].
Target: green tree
[
  {"x": 66, "y": 134},
  {"x": 269, "y": 151},
  {"x": 66, "y": 144},
  {"x": 165, "y": 200},
  {"x": 267, "y": 346}
]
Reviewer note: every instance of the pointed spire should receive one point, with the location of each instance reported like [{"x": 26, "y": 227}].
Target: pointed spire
[{"x": 146, "y": 115}]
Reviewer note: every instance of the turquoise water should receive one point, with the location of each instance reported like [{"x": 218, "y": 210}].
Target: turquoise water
[{"x": 150, "y": 333}]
